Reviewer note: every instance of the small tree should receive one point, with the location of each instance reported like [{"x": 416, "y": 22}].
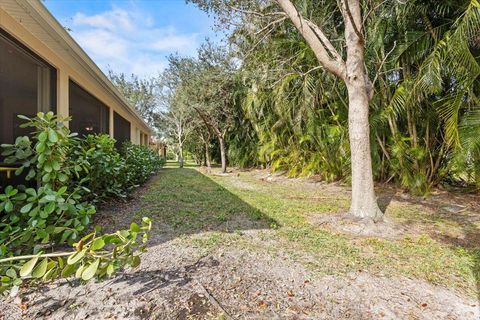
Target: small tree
[
  {"x": 174, "y": 119},
  {"x": 213, "y": 89},
  {"x": 141, "y": 93}
]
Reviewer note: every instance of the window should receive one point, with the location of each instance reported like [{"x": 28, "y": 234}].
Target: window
[
  {"x": 89, "y": 115},
  {"x": 27, "y": 86},
  {"x": 121, "y": 129}
]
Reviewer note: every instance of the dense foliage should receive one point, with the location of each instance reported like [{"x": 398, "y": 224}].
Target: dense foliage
[
  {"x": 107, "y": 172},
  {"x": 140, "y": 163},
  {"x": 286, "y": 112},
  {"x": 64, "y": 175}
]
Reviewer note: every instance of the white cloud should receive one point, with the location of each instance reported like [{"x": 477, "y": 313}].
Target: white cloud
[
  {"x": 129, "y": 41},
  {"x": 112, "y": 20}
]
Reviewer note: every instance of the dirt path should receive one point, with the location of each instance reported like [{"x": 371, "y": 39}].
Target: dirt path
[{"x": 216, "y": 254}]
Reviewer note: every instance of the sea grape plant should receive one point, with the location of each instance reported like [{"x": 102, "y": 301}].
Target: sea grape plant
[{"x": 55, "y": 207}]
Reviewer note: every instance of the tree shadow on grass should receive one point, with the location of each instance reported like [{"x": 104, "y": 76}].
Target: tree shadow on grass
[
  {"x": 180, "y": 202},
  {"x": 183, "y": 201},
  {"x": 448, "y": 209}
]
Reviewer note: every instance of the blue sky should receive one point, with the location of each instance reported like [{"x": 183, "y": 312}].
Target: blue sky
[{"x": 133, "y": 36}]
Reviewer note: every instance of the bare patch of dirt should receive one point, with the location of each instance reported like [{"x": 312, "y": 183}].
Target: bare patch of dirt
[
  {"x": 343, "y": 223},
  {"x": 175, "y": 283}
]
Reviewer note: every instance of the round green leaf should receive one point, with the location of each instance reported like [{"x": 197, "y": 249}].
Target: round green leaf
[
  {"x": 134, "y": 227},
  {"x": 26, "y": 208},
  {"x": 52, "y": 136},
  {"x": 97, "y": 244},
  {"x": 42, "y": 137},
  {"x": 46, "y": 177},
  {"x": 11, "y": 273},
  {"x": 40, "y": 147},
  {"x": 110, "y": 269},
  {"x": 8, "y": 206},
  {"x": 49, "y": 208}
]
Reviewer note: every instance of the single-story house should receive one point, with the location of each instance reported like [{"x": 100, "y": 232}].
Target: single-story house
[{"x": 42, "y": 68}]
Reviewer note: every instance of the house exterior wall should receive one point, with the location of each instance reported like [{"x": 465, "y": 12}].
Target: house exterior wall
[{"x": 71, "y": 63}]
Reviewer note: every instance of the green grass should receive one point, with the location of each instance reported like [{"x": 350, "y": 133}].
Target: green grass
[{"x": 212, "y": 211}]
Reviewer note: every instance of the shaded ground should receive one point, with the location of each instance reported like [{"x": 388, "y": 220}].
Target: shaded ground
[{"x": 249, "y": 245}]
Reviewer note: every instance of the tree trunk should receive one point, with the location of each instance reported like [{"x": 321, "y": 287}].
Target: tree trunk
[
  {"x": 207, "y": 156},
  {"x": 180, "y": 156},
  {"x": 364, "y": 203},
  {"x": 223, "y": 157}
]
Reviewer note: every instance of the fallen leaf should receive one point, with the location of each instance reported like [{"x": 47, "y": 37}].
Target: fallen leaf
[{"x": 23, "y": 306}]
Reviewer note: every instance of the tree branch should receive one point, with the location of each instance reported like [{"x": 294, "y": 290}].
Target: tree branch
[
  {"x": 256, "y": 13},
  {"x": 325, "y": 41},
  {"x": 271, "y": 24},
  {"x": 346, "y": 8},
  {"x": 312, "y": 37},
  {"x": 382, "y": 63}
]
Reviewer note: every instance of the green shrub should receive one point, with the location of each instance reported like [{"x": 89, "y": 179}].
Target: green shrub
[
  {"x": 106, "y": 173},
  {"x": 69, "y": 173},
  {"x": 54, "y": 212},
  {"x": 141, "y": 163},
  {"x": 103, "y": 167}
]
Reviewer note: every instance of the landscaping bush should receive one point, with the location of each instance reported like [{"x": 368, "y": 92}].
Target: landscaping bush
[
  {"x": 141, "y": 163},
  {"x": 103, "y": 168},
  {"x": 106, "y": 173},
  {"x": 69, "y": 173},
  {"x": 54, "y": 211}
]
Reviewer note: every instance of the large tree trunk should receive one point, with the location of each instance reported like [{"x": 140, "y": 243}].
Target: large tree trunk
[
  {"x": 364, "y": 203},
  {"x": 223, "y": 156}
]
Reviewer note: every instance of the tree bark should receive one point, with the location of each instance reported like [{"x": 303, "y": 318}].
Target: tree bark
[
  {"x": 180, "y": 156},
  {"x": 364, "y": 202},
  {"x": 221, "y": 141},
  {"x": 208, "y": 164}
]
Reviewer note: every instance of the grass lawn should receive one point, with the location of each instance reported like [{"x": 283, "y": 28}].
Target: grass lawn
[{"x": 214, "y": 211}]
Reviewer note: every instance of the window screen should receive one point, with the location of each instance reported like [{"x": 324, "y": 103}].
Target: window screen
[
  {"x": 88, "y": 114},
  {"x": 27, "y": 86},
  {"x": 121, "y": 129}
]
